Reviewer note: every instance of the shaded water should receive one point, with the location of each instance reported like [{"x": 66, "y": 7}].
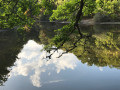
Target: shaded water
[{"x": 23, "y": 67}]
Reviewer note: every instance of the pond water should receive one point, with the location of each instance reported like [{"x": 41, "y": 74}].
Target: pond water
[{"x": 23, "y": 65}]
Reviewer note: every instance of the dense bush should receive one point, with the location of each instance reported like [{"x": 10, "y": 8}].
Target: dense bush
[
  {"x": 98, "y": 17},
  {"x": 101, "y": 18}
]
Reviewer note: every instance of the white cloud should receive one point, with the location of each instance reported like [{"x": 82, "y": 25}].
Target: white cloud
[
  {"x": 55, "y": 81},
  {"x": 101, "y": 69},
  {"x": 30, "y": 60}
]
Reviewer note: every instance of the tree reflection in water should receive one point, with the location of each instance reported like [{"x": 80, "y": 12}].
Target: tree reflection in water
[{"x": 101, "y": 49}]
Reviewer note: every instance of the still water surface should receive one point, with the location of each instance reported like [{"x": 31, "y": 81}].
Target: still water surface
[{"x": 23, "y": 65}]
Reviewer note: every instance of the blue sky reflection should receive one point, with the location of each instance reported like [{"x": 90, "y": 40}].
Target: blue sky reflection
[
  {"x": 32, "y": 72},
  {"x": 31, "y": 61}
]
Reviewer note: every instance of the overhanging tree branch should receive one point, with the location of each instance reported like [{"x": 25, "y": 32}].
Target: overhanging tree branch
[
  {"x": 76, "y": 26},
  {"x": 78, "y": 17}
]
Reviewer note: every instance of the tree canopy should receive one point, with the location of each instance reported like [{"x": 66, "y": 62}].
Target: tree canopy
[{"x": 22, "y": 13}]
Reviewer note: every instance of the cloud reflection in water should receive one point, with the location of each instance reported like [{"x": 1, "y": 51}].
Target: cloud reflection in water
[{"x": 32, "y": 64}]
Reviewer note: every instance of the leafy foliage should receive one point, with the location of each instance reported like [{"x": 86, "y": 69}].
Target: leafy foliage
[
  {"x": 18, "y": 12},
  {"x": 108, "y": 7},
  {"x": 65, "y": 11},
  {"x": 62, "y": 34},
  {"x": 68, "y": 10}
]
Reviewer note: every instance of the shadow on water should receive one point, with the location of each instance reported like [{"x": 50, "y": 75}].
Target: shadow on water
[{"x": 101, "y": 49}]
